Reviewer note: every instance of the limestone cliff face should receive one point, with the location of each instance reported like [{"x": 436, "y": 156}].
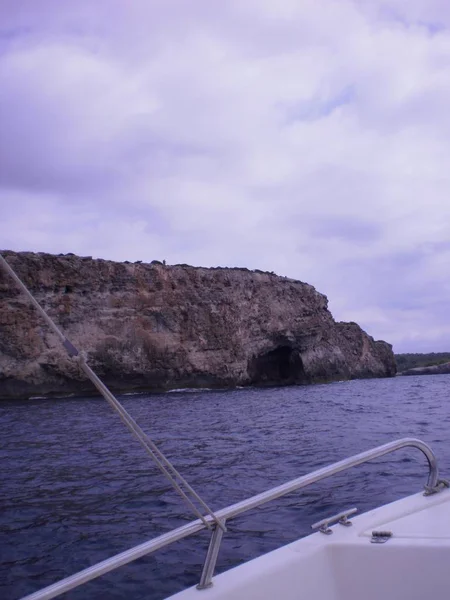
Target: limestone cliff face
[{"x": 156, "y": 327}]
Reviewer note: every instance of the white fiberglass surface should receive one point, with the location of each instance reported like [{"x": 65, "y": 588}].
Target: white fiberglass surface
[
  {"x": 391, "y": 571},
  {"x": 388, "y": 571},
  {"x": 413, "y": 565},
  {"x": 282, "y": 574}
]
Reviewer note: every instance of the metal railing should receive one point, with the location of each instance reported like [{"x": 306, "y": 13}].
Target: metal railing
[{"x": 432, "y": 486}]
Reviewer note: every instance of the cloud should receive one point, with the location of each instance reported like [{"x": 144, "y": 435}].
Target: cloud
[{"x": 306, "y": 138}]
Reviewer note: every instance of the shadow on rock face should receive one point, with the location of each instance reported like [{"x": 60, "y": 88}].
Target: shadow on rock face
[{"x": 282, "y": 365}]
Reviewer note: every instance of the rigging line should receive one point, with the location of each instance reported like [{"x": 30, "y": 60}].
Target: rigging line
[
  {"x": 137, "y": 432},
  {"x": 158, "y": 457}
]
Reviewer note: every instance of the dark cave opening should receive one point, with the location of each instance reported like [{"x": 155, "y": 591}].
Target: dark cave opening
[{"x": 282, "y": 365}]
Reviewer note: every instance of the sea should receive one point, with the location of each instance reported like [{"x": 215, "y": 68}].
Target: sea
[{"x": 76, "y": 488}]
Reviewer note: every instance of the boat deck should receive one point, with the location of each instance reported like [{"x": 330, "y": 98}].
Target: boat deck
[{"x": 413, "y": 564}]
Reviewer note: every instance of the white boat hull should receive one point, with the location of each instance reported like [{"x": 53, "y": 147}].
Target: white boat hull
[{"x": 414, "y": 564}]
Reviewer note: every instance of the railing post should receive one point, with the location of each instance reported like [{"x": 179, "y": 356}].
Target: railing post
[
  {"x": 434, "y": 484},
  {"x": 211, "y": 558}
]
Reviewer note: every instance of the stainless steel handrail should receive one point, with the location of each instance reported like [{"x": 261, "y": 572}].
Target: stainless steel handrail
[{"x": 232, "y": 511}]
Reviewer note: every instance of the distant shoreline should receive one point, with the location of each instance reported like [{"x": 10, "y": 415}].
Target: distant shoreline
[{"x": 432, "y": 363}]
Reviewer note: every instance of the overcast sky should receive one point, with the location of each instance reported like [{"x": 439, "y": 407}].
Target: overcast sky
[{"x": 306, "y": 137}]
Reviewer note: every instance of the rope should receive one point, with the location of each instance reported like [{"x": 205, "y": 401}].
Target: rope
[{"x": 162, "y": 462}]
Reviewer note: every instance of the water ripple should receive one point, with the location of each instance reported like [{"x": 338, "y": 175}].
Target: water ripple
[{"x": 76, "y": 488}]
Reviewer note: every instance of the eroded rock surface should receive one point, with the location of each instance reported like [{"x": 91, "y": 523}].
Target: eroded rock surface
[{"x": 156, "y": 327}]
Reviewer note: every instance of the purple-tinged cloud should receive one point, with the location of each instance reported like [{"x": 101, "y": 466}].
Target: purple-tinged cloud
[{"x": 311, "y": 139}]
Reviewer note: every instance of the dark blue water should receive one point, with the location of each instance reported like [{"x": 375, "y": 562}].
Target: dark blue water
[{"x": 76, "y": 488}]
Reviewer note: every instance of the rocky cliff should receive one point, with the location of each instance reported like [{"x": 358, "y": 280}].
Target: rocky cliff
[{"x": 156, "y": 327}]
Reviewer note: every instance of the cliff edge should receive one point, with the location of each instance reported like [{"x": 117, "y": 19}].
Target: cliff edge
[{"x": 156, "y": 327}]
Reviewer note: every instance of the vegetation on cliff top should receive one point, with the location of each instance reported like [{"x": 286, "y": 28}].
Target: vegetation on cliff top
[{"x": 411, "y": 361}]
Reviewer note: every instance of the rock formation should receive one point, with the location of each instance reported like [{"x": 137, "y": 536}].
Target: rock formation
[
  {"x": 442, "y": 369},
  {"x": 156, "y": 327}
]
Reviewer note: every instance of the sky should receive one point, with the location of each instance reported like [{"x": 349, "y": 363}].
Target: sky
[{"x": 306, "y": 137}]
